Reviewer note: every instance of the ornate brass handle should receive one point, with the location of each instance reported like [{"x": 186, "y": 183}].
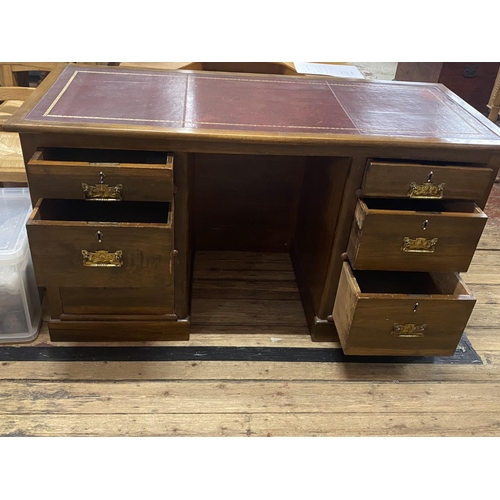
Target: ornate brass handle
[
  {"x": 408, "y": 330},
  {"x": 102, "y": 258},
  {"x": 102, "y": 192},
  {"x": 426, "y": 190},
  {"x": 420, "y": 245}
]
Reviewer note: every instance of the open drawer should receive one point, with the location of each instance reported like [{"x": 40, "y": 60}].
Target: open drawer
[
  {"x": 101, "y": 174},
  {"x": 393, "y": 179},
  {"x": 401, "y": 313},
  {"x": 76, "y": 243},
  {"x": 415, "y": 235}
]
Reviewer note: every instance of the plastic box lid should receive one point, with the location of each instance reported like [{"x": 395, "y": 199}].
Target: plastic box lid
[{"x": 15, "y": 208}]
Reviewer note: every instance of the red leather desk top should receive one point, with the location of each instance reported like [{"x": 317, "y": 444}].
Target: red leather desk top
[{"x": 264, "y": 104}]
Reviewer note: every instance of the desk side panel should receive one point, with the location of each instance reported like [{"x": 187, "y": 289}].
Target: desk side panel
[
  {"x": 318, "y": 226},
  {"x": 183, "y": 166}
]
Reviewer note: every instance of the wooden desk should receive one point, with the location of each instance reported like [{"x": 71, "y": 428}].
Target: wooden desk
[{"x": 375, "y": 190}]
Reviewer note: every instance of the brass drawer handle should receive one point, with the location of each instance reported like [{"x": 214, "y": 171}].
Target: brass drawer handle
[
  {"x": 102, "y": 192},
  {"x": 426, "y": 190},
  {"x": 421, "y": 245},
  {"x": 102, "y": 258},
  {"x": 408, "y": 330}
]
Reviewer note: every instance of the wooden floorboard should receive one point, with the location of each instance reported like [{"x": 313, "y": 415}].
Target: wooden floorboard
[
  {"x": 260, "y": 425},
  {"x": 186, "y": 396},
  {"x": 247, "y": 370},
  {"x": 251, "y": 300}
]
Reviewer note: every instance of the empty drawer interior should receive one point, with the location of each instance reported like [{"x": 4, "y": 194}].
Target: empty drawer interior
[
  {"x": 418, "y": 205},
  {"x": 81, "y": 210},
  {"x": 409, "y": 283},
  {"x": 103, "y": 156}
]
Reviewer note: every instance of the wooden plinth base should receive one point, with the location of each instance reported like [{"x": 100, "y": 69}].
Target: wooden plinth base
[{"x": 110, "y": 331}]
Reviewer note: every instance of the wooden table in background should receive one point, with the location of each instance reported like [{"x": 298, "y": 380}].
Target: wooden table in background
[{"x": 472, "y": 81}]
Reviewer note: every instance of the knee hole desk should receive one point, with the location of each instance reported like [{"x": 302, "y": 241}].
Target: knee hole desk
[{"x": 376, "y": 191}]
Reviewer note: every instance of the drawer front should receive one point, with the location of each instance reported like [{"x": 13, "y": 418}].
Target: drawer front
[
  {"x": 398, "y": 240},
  {"x": 118, "y": 331},
  {"x": 399, "y": 324},
  {"x": 117, "y": 301},
  {"x": 108, "y": 181},
  {"x": 401, "y": 180},
  {"x": 99, "y": 254}
]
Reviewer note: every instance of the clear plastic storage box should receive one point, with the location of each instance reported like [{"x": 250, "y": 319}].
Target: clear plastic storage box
[{"x": 20, "y": 308}]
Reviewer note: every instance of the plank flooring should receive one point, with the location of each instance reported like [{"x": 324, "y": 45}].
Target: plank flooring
[{"x": 233, "y": 294}]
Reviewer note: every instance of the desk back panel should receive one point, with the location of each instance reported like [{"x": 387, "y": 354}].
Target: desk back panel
[{"x": 245, "y": 202}]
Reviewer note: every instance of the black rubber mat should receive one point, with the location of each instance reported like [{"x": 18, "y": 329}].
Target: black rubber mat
[{"x": 464, "y": 354}]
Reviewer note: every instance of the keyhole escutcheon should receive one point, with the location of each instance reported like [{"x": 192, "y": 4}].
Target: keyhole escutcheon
[
  {"x": 415, "y": 307},
  {"x": 99, "y": 236},
  {"x": 425, "y": 224},
  {"x": 101, "y": 177},
  {"x": 429, "y": 177}
]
